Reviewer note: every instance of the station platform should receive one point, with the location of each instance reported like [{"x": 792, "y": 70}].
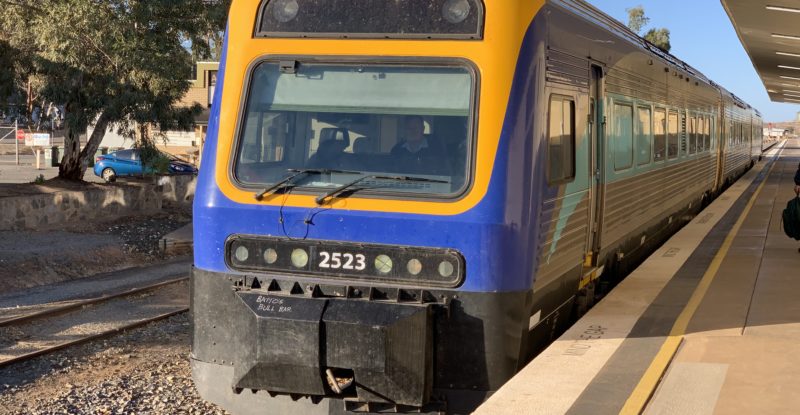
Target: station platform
[{"x": 709, "y": 324}]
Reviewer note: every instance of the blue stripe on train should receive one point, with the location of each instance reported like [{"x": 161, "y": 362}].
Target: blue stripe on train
[{"x": 499, "y": 237}]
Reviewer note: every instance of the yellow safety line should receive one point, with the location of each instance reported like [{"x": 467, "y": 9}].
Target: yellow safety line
[{"x": 647, "y": 384}]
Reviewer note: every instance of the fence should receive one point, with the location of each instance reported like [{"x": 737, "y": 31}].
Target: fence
[{"x": 8, "y": 134}]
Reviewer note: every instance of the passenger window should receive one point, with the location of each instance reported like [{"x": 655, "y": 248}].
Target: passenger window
[
  {"x": 623, "y": 136},
  {"x": 692, "y": 135},
  {"x": 707, "y": 134},
  {"x": 673, "y": 141},
  {"x": 701, "y": 141},
  {"x": 660, "y": 131},
  {"x": 645, "y": 136},
  {"x": 561, "y": 142}
]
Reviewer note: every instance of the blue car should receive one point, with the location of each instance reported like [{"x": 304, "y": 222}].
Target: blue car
[{"x": 129, "y": 163}]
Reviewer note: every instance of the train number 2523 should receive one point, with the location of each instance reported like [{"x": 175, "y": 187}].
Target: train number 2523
[{"x": 337, "y": 260}]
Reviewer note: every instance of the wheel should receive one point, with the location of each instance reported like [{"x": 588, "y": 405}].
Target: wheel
[{"x": 109, "y": 175}]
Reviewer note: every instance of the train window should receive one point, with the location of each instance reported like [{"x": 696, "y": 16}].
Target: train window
[
  {"x": 692, "y": 135},
  {"x": 622, "y": 144},
  {"x": 363, "y": 120},
  {"x": 660, "y": 137},
  {"x": 701, "y": 141},
  {"x": 673, "y": 139},
  {"x": 707, "y": 134},
  {"x": 644, "y": 136},
  {"x": 561, "y": 143}
]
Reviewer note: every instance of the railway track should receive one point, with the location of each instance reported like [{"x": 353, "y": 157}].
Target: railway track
[{"x": 46, "y": 328}]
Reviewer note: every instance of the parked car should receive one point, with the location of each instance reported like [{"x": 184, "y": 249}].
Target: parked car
[{"x": 129, "y": 163}]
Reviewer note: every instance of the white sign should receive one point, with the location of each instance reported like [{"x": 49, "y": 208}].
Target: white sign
[
  {"x": 29, "y": 139},
  {"x": 41, "y": 140}
]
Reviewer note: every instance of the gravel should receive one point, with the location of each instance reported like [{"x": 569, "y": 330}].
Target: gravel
[
  {"x": 140, "y": 235},
  {"x": 78, "y": 250},
  {"x": 144, "y": 371}
]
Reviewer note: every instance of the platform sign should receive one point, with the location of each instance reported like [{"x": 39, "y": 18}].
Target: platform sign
[
  {"x": 41, "y": 140},
  {"x": 29, "y": 139}
]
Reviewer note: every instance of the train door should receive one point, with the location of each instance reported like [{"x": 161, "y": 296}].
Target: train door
[
  {"x": 720, "y": 133},
  {"x": 597, "y": 122}
]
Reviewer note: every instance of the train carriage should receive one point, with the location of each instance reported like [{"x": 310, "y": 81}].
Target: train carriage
[{"x": 401, "y": 202}]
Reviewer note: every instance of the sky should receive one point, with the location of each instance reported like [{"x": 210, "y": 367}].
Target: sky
[{"x": 701, "y": 34}]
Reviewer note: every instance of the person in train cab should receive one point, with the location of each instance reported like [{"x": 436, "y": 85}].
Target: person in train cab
[{"x": 415, "y": 153}]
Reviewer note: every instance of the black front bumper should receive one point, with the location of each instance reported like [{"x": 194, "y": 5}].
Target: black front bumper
[
  {"x": 435, "y": 350},
  {"x": 288, "y": 343}
]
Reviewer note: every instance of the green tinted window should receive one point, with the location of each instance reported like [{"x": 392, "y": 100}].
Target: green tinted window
[
  {"x": 673, "y": 141},
  {"x": 644, "y": 136},
  {"x": 622, "y": 144},
  {"x": 561, "y": 141}
]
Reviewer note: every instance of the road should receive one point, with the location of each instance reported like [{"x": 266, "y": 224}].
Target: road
[{"x": 26, "y": 172}]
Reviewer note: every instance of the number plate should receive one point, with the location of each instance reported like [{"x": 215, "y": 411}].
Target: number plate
[{"x": 346, "y": 261}]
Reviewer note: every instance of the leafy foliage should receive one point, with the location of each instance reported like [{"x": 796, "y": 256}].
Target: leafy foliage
[
  {"x": 659, "y": 38},
  {"x": 116, "y": 63},
  {"x": 636, "y": 18},
  {"x": 153, "y": 160},
  {"x": 637, "y": 21}
]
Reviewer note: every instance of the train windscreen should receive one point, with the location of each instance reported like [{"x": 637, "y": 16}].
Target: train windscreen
[{"x": 359, "y": 120}]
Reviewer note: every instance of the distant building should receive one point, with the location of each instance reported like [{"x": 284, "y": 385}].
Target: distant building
[
  {"x": 775, "y": 132},
  {"x": 798, "y": 116},
  {"x": 184, "y": 144}
]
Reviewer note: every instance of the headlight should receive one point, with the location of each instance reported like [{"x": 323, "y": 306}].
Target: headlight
[
  {"x": 241, "y": 253},
  {"x": 414, "y": 267},
  {"x": 455, "y": 11},
  {"x": 446, "y": 269},
  {"x": 285, "y": 10},
  {"x": 383, "y": 264},
  {"x": 270, "y": 256},
  {"x": 299, "y": 258}
]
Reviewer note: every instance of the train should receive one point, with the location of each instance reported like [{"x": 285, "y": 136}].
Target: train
[{"x": 400, "y": 203}]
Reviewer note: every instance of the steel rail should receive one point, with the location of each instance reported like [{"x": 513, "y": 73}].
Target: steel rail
[
  {"x": 107, "y": 333},
  {"x": 81, "y": 303}
]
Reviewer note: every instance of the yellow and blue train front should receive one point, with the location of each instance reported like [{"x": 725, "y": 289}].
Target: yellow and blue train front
[{"x": 366, "y": 214}]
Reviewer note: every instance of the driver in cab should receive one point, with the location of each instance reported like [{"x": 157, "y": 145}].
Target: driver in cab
[{"x": 416, "y": 153}]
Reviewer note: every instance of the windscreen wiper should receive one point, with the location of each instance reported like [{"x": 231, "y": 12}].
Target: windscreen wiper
[
  {"x": 289, "y": 180},
  {"x": 341, "y": 189}
]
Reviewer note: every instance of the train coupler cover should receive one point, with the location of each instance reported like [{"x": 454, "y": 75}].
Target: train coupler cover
[{"x": 379, "y": 352}]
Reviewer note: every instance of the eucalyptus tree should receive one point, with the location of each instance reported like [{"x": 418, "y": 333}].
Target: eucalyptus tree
[
  {"x": 637, "y": 21},
  {"x": 112, "y": 63}
]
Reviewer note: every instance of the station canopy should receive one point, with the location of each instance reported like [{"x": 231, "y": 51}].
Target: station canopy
[{"x": 770, "y": 33}]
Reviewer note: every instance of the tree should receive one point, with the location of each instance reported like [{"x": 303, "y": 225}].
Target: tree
[
  {"x": 638, "y": 21},
  {"x": 659, "y": 38},
  {"x": 111, "y": 63},
  {"x": 636, "y": 18}
]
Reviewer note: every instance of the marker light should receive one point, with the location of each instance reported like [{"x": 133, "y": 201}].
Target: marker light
[
  {"x": 241, "y": 254},
  {"x": 414, "y": 267},
  {"x": 285, "y": 10},
  {"x": 299, "y": 258},
  {"x": 455, "y": 11},
  {"x": 446, "y": 269},
  {"x": 270, "y": 256},
  {"x": 383, "y": 264}
]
